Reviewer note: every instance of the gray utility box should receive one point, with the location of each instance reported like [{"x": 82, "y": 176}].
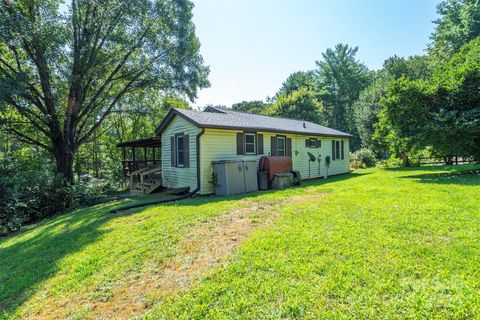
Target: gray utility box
[{"x": 235, "y": 176}]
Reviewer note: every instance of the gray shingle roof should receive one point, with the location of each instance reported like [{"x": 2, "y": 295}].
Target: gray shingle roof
[{"x": 227, "y": 119}]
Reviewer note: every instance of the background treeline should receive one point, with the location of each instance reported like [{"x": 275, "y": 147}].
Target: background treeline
[{"x": 74, "y": 84}]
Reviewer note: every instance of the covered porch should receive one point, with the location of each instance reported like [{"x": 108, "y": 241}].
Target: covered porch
[{"x": 142, "y": 164}]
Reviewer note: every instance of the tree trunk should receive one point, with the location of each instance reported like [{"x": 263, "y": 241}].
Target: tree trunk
[
  {"x": 64, "y": 163},
  {"x": 405, "y": 160}
]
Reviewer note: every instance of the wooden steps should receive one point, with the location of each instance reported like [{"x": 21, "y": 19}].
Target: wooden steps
[{"x": 145, "y": 181}]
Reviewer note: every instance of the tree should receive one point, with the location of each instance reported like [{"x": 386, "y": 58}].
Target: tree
[
  {"x": 343, "y": 78},
  {"x": 256, "y": 106},
  {"x": 459, "y": 23},
  {"x": 301, "y": 104},
  {"x": 368, "y": 107},
  {"x": 444, "y": 111},
  {"x": 64, "y": 73},
  {"x": 366, "y": 113},
  {"x": 300, "y": 79}
]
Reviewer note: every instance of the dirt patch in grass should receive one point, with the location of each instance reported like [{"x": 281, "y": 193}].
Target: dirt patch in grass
[{"x": 206, "y": 247}]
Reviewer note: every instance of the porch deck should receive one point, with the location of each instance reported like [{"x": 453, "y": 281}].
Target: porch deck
[{"x": 142, "y": 167}]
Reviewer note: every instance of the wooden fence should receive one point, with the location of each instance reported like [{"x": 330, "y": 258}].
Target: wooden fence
[{"x": 445, "y": 160}]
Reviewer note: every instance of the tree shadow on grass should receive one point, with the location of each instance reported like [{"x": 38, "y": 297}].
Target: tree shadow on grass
[
  {"x": 459, "y": 167},
  {"x": 34, "y": 258},
  {"x": 459, "y": 177}
]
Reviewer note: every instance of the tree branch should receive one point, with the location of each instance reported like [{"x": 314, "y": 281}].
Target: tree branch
[{"x": 29, "y": 140}]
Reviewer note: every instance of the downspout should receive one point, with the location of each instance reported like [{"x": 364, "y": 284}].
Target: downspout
[
  {"x": 198, "y": 160},
  {"x": 188, "y": 195}
]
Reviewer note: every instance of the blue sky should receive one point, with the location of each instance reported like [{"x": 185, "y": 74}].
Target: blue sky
[{"x": 252, "y": 46}]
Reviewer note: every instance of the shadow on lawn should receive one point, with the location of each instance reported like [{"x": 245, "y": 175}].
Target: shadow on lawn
[
  {"x": 30, "y": 261},
  {"x": 461, "y": 177}
]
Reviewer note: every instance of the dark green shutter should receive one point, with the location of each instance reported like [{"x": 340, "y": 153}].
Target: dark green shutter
[
  {"x": 186, "y": 151},
  {"x": 288, "y": 147},
  {"x": 240, "y": 143},
  {"x": 333, "y": 149},
  {"x": 172, "y": 151},
  {"x": 273, "y": 146},
  {"x": 259, "y": 143},
  {"x": 307, "y": 143},
  {"x": 343, "y": 150}
]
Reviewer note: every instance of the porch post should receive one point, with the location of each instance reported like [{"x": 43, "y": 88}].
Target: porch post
[{"x": 134, "y": 159}]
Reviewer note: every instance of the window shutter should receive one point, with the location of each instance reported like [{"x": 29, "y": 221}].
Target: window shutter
[
  {"x": 172, "y": 151},
  {"x": 186, "y": 151},
  {"x": 260, "y": 143},
  {"x": 319, "y": 143},
  {"x": 289, "y": 147},
  {"x": 307, "y": 143},
  {"x": 240, "y": 143},
  {"x": 273, "y": 146},
  {"x": 343, "y": 150},
  {"x": 333, "y": 149}
]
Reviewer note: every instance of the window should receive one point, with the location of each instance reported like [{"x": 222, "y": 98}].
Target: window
[
  {"x": 281, "y": 146},
  {"x": 250, "y": 143},
  {"x": 312, "y": 143},
  {"x": 337, "y": 150},
  {"x": 180, "y": 156}
]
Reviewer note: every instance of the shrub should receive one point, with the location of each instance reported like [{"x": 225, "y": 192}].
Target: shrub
[
  {"x": 30, "y": 196},
  {"x": 366, "y": 157}
]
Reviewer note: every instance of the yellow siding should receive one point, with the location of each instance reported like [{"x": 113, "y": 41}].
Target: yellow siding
[
  {"x": 218, "y": 144},
  {"x": 173, "y": 177},
  {"x": 300, "y": 160}
]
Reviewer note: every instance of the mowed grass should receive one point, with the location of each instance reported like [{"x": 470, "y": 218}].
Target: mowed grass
[{"x": 379, "y": 244}]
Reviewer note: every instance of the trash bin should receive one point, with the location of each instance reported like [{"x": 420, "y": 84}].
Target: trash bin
[{"x": 262, "y": 180}]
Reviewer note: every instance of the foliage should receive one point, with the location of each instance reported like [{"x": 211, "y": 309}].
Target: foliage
[
  {"x": 343, "y": 78},
  {"x": 63, "y": 74},
  {"x": 324, "y": 238},
  {"x": 444, "y": 111},
  {"x": 298, "y": 80},
  {"x": 301, "y": 104},
  {"x": 256, "y": 106},
  {"x": 28, "y": 195},
  {"x": 459, "y": 23},
  {"x": 366, "y": 114},
  {"x": 366, "y": 156}
]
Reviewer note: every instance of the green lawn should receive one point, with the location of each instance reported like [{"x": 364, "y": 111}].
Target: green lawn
[{"x": 373, "y": 244}]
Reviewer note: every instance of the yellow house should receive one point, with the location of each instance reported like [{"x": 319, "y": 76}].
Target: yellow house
[{"x": 191, "y": 140}]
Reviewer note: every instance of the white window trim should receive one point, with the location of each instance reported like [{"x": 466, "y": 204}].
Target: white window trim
[
  {"x": 284, "y": 145},
  {"x": 177, "y": 158},
  {"x": 254, "y": 143},
  {"x": 314, "y": 141}
]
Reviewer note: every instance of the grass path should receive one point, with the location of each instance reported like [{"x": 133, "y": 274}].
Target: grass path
[{"x": 375, "y": 244}]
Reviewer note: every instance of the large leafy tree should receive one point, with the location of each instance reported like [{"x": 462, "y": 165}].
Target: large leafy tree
[
  {"x": 458, "y": 23},
  {"x": 444, "y": 111},
  {"x": 255, "y": 106},
  {"x": 367, "y": 109},
  {"x": 63, "y": 71},
  {"x": 343, "y": 77},
  {"x": 300, "y": 79},
  {"x": 302, "y": 104}
]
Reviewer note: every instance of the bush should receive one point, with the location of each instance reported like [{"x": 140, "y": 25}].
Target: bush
[
  {"x": 366, "y": 157},
  {"x": 30, "y": 196}
]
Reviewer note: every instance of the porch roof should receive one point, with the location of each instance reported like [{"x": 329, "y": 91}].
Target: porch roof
[{"x": 146, "y": 142}]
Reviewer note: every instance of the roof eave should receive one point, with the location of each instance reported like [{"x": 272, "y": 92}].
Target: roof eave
[
  {"x": 169, "y": 117},
  {"x": 212, "y": 126}
]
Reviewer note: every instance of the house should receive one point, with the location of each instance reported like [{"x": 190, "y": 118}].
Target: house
[{"x": 189, "y": 141}]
